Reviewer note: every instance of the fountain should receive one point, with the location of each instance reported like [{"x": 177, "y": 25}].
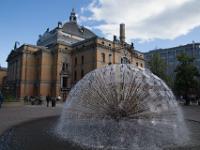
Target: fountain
[
  {"x": 122, "y": 107},
  {"x": 119, "y": 107}
]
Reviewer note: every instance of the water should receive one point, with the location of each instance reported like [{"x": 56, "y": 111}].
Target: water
[{"x": 122, "y": 107}]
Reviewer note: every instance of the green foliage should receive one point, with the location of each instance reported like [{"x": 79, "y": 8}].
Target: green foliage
[
  {"x": 9, "y": 98},
  {"x": 158, "y": 67},
  {"x": 186, "y": 81}
]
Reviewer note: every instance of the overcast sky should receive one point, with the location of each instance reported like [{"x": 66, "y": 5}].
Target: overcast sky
[{"x": 150, "y": 24}]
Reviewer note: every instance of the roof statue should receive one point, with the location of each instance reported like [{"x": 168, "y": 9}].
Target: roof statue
[
  {"x": 72, "y": 17},
  {"x": 15, "y": 46}
]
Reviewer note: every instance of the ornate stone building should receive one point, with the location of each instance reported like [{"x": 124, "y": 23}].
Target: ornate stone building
[
  {"x": 3, "y": 74},
  {"x": 63, "y": 56}
]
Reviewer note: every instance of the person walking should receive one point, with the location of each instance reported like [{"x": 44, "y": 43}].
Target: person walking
[
  {"x": 48, "y": 100},
  {"x": 53, "y": 102}
]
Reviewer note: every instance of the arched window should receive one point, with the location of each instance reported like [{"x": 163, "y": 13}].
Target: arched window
[
  {"x": 75, "y": 76},
  {"x": 65, "y": 67},
  {"x": 141, "y": 65},
  {"x": 103, "y": 57},
  {"x": 110, "y": 59},
  {"x": 64, "y": 82},
  {"x": 124, "y": 60},
  {"x": 82, "y": 73},
  {"x": 82, "y": 60},
  {"x": 136, "y": 63}
]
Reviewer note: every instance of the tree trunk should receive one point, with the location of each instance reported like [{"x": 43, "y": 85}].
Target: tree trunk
[{"x": 187, "y": 100}]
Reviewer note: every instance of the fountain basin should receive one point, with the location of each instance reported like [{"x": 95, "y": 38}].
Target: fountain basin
[
  {"x": 35, "y": 135},
  {"x": 39, "y": 134}
]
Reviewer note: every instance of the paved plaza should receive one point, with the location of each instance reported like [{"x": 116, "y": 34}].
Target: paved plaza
[
  {"x": 12, "y": 115},
  {"x": 191, "y": 113},
  {"x": 192, "y": 120}
]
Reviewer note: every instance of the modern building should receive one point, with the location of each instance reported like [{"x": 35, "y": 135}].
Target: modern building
[
  {"x": 169, "y": 56},
  {"x": 3, "y": 74},
  {"x": 63, "y": 56}
]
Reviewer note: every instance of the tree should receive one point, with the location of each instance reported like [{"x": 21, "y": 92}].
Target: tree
[
  {"x": 186, "y": 80},
  {"x": 158, "y": 67},
  {"x": 198, "y": 91}
]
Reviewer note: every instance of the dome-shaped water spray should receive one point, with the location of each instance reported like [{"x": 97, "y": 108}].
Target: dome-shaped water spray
[{"x": 122, "y": 107}]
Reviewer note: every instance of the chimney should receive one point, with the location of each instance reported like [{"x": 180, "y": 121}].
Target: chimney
[
  {"x": 132, "y": 46},
  {"x": 114, "y": 38},
  {"x": 122, "y": 32}
]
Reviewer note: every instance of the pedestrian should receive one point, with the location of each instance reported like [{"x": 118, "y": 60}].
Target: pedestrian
[
  {"x": 53, "y": 102},
  {"x": 48, "y": 100}
]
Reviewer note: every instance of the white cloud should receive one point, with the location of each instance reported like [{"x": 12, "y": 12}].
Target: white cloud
[{"x": 146, "y": 19}]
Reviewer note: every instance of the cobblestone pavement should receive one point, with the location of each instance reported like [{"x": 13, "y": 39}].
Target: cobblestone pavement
[{"x": 11, "y": 115}]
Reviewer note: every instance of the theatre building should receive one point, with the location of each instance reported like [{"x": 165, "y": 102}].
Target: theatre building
[{"x": 62, "y": 56}]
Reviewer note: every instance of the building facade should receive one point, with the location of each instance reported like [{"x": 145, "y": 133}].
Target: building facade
[
  {"x": 169, "y": 56},
  {"x": 62, "y": 57},
  {"x": 3, "y": 74}
]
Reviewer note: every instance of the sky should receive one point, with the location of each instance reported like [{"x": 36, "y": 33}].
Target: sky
[{"x": 149, "y": 24}]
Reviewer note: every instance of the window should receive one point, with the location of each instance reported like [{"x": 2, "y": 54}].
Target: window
[
  {"x": 103, "y": 57},
  {"x": 136, "y": 63},
  {"x": 82, "y": 73},
  {"x": 82, "y": 60},
  {"x": 141, "y": 65},
  {"x": 64, "y": 82},
  {"x": 65, "y": 67},
  {"x": 75, "y": 61},
  {"x": 124, "y": 60},
  {"x": 75, "y": 76},
  {"x": 110, "y": 59}
]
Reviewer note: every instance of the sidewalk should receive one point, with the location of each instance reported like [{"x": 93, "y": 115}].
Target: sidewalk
[
  {"x": 191, "y": 112},
  {"x": 13, "y": 114}
]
